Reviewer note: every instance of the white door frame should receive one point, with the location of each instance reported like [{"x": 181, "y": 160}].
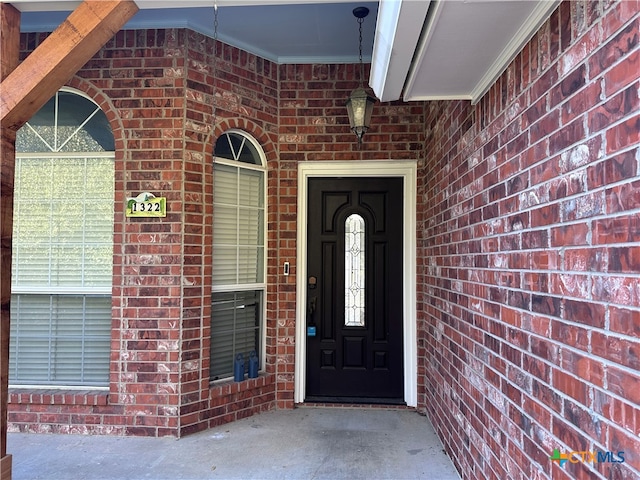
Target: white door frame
[{"x": 408, "y": 171}]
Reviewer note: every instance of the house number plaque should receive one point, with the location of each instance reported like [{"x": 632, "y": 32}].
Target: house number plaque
[{"x": 146, "y": 205}]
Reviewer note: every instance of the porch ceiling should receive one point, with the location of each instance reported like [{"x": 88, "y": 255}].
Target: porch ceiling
[{"x": 419, "y": 49}]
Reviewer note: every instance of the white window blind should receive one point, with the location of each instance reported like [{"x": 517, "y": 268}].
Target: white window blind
[
  {"x": 238, "y": 226},
  {"x": 63, "y": 222},
  {"x": 237, "y": 329},
  {"x": 60, "y": 339}
]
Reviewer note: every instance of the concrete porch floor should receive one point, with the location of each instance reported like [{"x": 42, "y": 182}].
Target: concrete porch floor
[{"x": 305, "y": 443}]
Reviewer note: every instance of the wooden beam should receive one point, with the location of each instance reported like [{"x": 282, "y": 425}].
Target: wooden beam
[
  {"x": 59, "y": 57},
  {"x": 9, "y": 39},
  {"x": 9, "y": 57},
  {"x": 5, "y": 467},
  {"x": 24, "y": 89}
]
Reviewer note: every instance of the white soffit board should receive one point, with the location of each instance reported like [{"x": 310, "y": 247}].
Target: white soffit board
[
  {"x": 466, "y": 45},
  {"x": 398, "y": 30}
]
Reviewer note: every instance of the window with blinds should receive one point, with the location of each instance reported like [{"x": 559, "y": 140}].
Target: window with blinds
[
  {"x": 62, "y": 246},
  {"x": 238, "y": 252}
]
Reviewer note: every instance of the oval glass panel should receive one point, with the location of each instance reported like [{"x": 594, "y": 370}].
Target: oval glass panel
[{"x": 354, "y": 271}]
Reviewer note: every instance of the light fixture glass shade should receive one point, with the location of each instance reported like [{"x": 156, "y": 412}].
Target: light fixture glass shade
[{"x": 360, "y": 108}]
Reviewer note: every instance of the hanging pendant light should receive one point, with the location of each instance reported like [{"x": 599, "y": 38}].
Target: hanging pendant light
[{"x": 360, "y": 103}]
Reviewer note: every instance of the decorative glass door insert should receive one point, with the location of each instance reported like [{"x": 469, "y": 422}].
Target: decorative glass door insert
[{"x": 354, "y": 275}]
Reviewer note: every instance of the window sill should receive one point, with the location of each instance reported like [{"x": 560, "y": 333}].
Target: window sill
[
  {"x": 45, "y": 396},
  {"x": 226, "y": 386}
]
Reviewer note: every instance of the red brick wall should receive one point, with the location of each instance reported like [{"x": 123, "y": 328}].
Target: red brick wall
[
  {"x": 156, "y": 89},
  {"x": 245, "y": 98},
  {"x": 528, "y": 256}
]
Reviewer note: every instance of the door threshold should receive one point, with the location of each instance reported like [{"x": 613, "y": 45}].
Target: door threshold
[
  {"x": 342, "y": 402},
  {"x": 354, "y": 406}
]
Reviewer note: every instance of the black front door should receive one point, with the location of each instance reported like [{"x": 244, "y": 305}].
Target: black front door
[{"x": 354, "y": 290}]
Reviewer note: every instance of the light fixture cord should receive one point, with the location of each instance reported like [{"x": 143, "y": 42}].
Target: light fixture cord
[
  {"x": 360, "y": 20},
  {"x": 215, "y": 64}
]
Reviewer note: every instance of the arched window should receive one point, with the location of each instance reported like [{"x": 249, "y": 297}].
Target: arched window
[
  {"x": 238, "y": 251},
  {"x": 62, "y": 246}
]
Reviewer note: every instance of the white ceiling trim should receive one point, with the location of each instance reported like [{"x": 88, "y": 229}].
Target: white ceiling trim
[
  {"x": 421, "y": 52},
  {"x": 68, "y": 5},
  {"x": 398, "y": 29}
]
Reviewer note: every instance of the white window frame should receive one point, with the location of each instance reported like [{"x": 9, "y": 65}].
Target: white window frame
[
  {"x": 262, "y": 286},
  {"x": 67, "y": 290}
]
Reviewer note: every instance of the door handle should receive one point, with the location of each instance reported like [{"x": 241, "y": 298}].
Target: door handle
[{"x": 311, "y": 308}]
